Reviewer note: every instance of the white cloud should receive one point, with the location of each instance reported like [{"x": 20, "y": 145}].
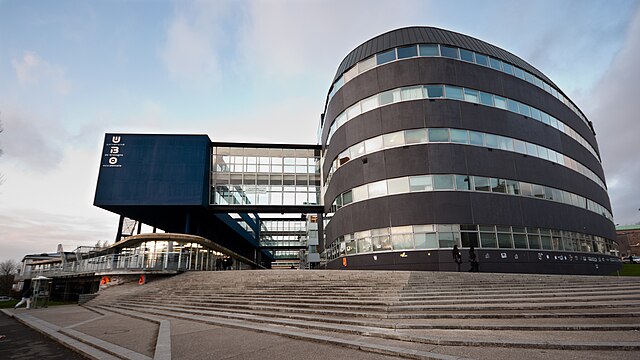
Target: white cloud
[
  {"x": 32, "y": 70},
  {"x": 32, "y": 142},
  {"x": 191, "y": 51},
  {"x": 295, "y": 37},
  {"x": 614, "y": 110}
]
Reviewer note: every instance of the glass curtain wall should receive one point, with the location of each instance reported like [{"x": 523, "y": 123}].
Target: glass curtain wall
[{"x": 265, "y": 176}]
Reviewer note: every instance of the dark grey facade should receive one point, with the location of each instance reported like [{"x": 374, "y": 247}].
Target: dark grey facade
[{"x": 500, "y": 160}]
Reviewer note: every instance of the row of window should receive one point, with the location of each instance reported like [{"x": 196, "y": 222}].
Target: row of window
[
  {"x": 419, "y": 237},
  {"x": 284, "y": 225},
  {"x": 460, "y": 94},
  {"x": 275, "y": 180},
  {"x": 458, "y": 136},
  {"x": 264, "y": 195},
  {"x": 435, "y": 50},
  {"x": 456, "y": 182}
]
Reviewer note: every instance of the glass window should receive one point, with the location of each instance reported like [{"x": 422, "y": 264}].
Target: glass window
[
  {"x": 434, "y": 91},
  {"x": 481, "y": 183},
  {"x": 381, "y": 243},
  {"x": 466, "y": 55},
  {"x": 476, "y": 138},
  {"x": 407, "y": 51},
  {"x": 393, "y": 139},
  {"x": 508, "y": 68},
  {"x": 505, "y": 143},
  {"x": 535, "y": 113},
  {"x": 542, "y": 152},
  {"x": 385, "y": 57},
  {"x": 482, "y": 59},
  {"x": 546, "y": 242},
  {"x": 402, "y": 241},
  {"x": 341, "y": 119},
  {"x": 504, "y": 240},
  {"x": 350, "y": 74},
  {"x": 398, "y": 185},
  {"x": 426, "y": 241},
  {"x": 519, "y": 146},
  {"x": 553, "y": 121},
  {"x": 429, "y": 50},
  {"x": 519, "y": 73},
  {"x": 495, "y": 63},
  {"x": 453, "y": 92},
  {"x": 347, "y": 198},
  {"x": 443, "y": 182},
  {"x": 463, "y": 182},
  {"x": 545, "y": 118},
  {"x": 526, "y": 189},
  {"x": 469, "y": 239},
  {"x": 353, "y": 111},
  {"x": 389, "y": 97},
  {"x": 420, "y": 183},
  {"x": 513, "y": 187},
  {"x": 486, "y": 99},
  {"x": 520, "y": 241},
  {"x": 370, "y": 103},
  {"x": 373, "y": 144},
  {"x": 378, "y": 188},
  {"x": 357, "y": 150},
  {"x": 416, "y": 136},
  {"x": 500, "y": 102},
  {"x": 528, "y": 77},
  {"x": 359, "y": 193},
  {"x": 412, "y": 93},
  {"x": 538, "y": 191},
  {"x": 534, "y": 241},
  {"x": 512, "y": 105},
  {"x": 448, "y": 239},
  {"x": 532, "y": 149},
  {"x": 364, "y": 245},
  {"x": 471, "y": 95},
  {"x": 524, "y": 110},
  {"x": 488, "y": 240},
  {"x": 438, "y": 135},
  {"x": 498, "y": 185},
  {"x": 449, "y": 51},
  {"x": 366, "y": 64},
  {"x": 459, "y": 136},
  {"x": 491, "y": 140}
]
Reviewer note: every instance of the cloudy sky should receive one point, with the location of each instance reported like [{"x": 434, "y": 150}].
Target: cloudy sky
[{"x": 255, "y": 72}]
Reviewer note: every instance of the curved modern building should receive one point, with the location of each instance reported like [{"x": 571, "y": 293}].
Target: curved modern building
[{"x": 431, "y": 138}]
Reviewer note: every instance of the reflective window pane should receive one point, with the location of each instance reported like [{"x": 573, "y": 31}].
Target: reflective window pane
[
  {"x": 407, "y": 51},
  {"x": 449, "y": 51},
  {"x": 466, "y": 55},
  {"x": 434, "y": 91},
  {"x": 459, "y": 136},
  {"x": 476, "y": 138},
  {"x": 486, "y": 99},
  {"x": 386, "y": 56},
  {"x": 438, "y": 135},
  {"x": 453, "y": 92},
  {"x": 482, "y": 59},
  {"x": 420, "y": 183},
  {"x": 416, "y": 136},
  {"x": 429, "y": 50},
  {"x": 443, "y": 182}
]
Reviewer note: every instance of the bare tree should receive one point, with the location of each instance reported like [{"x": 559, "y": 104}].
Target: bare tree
[{"x": 8, "y": 269}]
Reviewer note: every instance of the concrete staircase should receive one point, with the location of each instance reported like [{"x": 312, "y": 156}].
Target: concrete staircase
[{"x": 406, "y": 314}]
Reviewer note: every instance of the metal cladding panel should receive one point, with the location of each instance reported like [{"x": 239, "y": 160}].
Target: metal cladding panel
[
  {"x": 153, "y": 170},
  {"x": 389, "y": 40}
]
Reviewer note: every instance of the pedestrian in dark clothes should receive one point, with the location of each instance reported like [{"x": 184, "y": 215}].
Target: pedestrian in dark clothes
[
  {"x": 473, "y": 260},
  {"x": 456, "y": 256}
]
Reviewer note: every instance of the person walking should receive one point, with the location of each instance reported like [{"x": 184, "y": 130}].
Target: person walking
[
  {"x": 473, "y": 260},
  {"x": 26, "y": 298},
  {"x": 456, "y": 256}
]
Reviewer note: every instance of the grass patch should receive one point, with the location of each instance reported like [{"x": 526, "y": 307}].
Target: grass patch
[
  {"x": 12, "y": 303},
  {"x": 629, "y": 270}
]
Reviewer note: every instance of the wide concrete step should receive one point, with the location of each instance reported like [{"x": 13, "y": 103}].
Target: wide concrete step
[{"x": 623, "y": 341}]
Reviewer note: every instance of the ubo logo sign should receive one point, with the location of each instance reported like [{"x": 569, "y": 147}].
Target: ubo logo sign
[{"x": 113, "y": 151}]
